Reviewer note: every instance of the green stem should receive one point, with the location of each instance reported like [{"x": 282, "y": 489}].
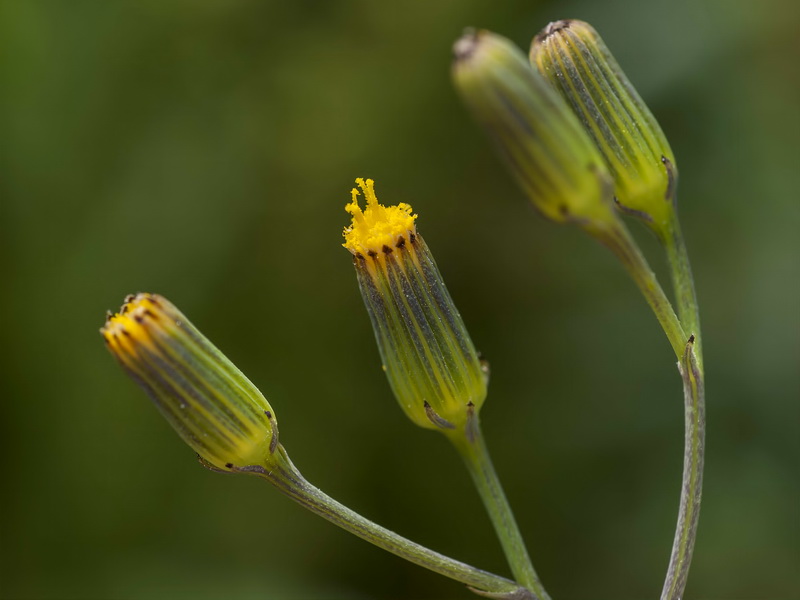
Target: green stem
[
  {"x": 284, "y": 475},
  {"x": 683, "y": 283},
  {"x": 619, "y": 241},
  {"x": 692, "y": 485},
  {"x": 472, "y": 447},
  {"x": 691, "y": 367}
]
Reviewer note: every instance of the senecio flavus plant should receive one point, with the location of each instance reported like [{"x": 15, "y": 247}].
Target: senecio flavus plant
[{"x": 585, "y": 150}]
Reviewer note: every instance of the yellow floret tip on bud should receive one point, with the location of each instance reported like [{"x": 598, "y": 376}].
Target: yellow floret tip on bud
[
  {"x": 376, "y": 226},
  {"x": 124, "y": 330}
]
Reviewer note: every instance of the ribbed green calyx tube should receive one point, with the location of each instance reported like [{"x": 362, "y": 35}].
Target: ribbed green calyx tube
[
  {"x": 533, "y": 129},
  {"x": 575, "y": 61},
  {"x": 573, "y": 58},
  {"x": 427, "y": 354},
  {"x": 217, "y": 411}
]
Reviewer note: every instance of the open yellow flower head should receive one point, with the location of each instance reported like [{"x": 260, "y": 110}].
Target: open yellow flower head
[
  {"x": 427, "y": 354},
  {"x": 206, "y": 399},
  {"x": 376, "y": 226},
  {"x": 533, "y": 130},
  {"x": 573, "y": 58}
]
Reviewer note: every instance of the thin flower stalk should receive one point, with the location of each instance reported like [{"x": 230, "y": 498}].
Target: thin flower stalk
[
  {"x": 683, "y": 285},
  {"x": 619, "y": 240},
  {"x": 692, "y": 483},
  {"x": 288, "y": 480},
  {"x": 473, "y": 450}
]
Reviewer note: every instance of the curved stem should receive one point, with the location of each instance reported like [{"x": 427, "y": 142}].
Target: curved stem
[
  {"x": 691, "y": 368},
  {"x": 619, "y": 241},
  {"x": 692, "y": 485},
  {"x": 473, "y": 450},
  {"x": 289, "y": 481}
]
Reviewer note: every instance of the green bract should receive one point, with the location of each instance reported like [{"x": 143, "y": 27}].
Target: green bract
[
  {"x": 428, "y": 356},
  {"x": 576, "y": 62},
  {"x": 206, "y": 399},
  {"x": 533, "y": 129}
]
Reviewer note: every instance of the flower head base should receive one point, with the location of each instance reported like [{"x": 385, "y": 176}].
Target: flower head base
[
  {"x": 429, "y": 359},
  {"x": 206, "y": 399},
  {"x": 573, "y": 58},
  {"x": 376, "y": 226}
]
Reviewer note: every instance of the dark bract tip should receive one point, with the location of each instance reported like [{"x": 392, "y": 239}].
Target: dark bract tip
[
  {"x": 466, "y": 44},
  {"x": 552, "y": 28}
]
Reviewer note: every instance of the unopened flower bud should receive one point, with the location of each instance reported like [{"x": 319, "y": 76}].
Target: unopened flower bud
[
  {"x": 432, "y": 366},
  {"x": 574, "y": 59},
  {"x": 206, "y": 399},
  {"x": 533, "y": 129}
]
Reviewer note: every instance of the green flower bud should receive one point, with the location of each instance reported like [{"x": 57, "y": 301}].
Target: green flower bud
[
  {"x": 206, "y": 399},
  {"x": 533, "y": 129},
  {"x": 573, "y": 58},
  {"x": 427, "y": 354}
]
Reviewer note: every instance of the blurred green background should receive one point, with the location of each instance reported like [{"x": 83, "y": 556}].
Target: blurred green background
[{"x": 205, "y": 150}]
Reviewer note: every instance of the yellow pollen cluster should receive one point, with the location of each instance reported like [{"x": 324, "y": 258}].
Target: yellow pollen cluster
[{"x": 376, "y": 226}]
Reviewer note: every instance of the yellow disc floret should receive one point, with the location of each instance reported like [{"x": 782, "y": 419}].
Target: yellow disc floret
[
  {"x": 131, "y": 325},
  {"x": 376, "y": 226}
]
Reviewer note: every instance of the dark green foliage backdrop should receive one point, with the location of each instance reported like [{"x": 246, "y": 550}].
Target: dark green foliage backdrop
[{"x": 205, "y": 150}]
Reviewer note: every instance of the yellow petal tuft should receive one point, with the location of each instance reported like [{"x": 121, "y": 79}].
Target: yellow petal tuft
[{"x": 376, "y": 226}]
